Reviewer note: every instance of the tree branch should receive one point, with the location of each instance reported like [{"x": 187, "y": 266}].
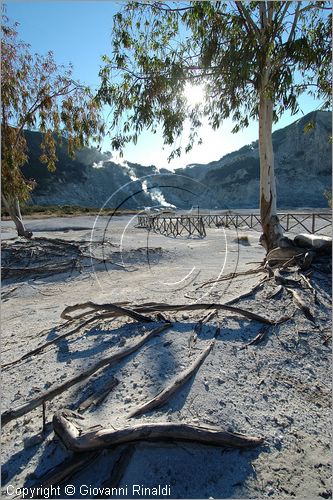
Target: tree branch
[
  {"x": 270, "y": 11},
  {"x": 159, "y": 5},
  {"x": 248, "y": 20},
  {"x": 263, "y": 15},
  {"x": 36, "y": 106},
  {"x": 80, "y": 440},
  {"x": 211, "y": 71},
  {"x": 314, "y": 6},
  {"x": 292, "y": 31},
  {"x": 284, "y": 12}
]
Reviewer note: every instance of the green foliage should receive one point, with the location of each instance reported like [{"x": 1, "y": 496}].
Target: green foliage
[
  {"x": 39, "y": 211},
  {"x": 38, "y": 93},
  {"x": 225, "y": 46}
]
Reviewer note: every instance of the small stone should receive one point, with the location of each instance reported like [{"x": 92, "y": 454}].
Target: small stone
[
  {"x": 127, "y": 400},
  {"x": 220, "y": 381}
]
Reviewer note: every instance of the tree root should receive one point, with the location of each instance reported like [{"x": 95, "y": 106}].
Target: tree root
[
  {"x": 13, "y": 272},
  {"x": 48, "y": 255},
  {"x": 153, "y": 307},
  {"x": 10, "y": 415},
  {"x": 175, "y": 385},
  {"x": 218, "y": 307},
  {"x": 209, "y": 316},
  {"x": 231, "y": 276},
  {"x": 79, "y": 440},
  {"x": 245, "y": 295},
  {"x": 258, "y": 338},
  {"x": 116, "y": 309},
  {"x": 37, "y": 350},
  {"x": 280, "y": 256}
]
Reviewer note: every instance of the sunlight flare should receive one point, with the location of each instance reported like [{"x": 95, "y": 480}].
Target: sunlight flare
[{"x": 195, "y": 94}]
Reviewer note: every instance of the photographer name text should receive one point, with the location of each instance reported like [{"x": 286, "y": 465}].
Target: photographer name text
[{"x": 135, "y": 490}]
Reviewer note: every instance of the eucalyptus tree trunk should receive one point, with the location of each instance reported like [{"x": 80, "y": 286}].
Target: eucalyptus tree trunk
[
  {"x": 272, "y": 231},
  {"x": 13, "y": 208}
]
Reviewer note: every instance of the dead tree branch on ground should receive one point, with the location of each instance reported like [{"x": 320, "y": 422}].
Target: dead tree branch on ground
[
  {"x": 80, "y": 440},
  {"x": 10, "y": 415},
  {"x": 175, "y": 385}
]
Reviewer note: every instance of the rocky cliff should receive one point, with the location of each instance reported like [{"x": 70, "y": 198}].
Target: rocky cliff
[{"x": 303, "y": 163}]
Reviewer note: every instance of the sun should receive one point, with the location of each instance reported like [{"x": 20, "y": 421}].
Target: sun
[{"x": 195, "y": 94}]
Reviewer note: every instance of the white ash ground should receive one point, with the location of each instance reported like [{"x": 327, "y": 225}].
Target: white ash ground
[{"x": 278, "y": 389}]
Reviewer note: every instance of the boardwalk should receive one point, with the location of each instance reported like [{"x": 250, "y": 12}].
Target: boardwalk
[
  {"x": 189, "y": 225},
  {"x": 174, "y": 226}
]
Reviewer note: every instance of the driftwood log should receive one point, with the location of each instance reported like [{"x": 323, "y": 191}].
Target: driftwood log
[
  {"x": 10, "y": 415},
  {"x": 79, "y": 440},
  {"x": 176, "y": 384}
]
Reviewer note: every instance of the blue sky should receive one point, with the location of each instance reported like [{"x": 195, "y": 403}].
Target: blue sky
[{"x": 80, "y": 32}]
